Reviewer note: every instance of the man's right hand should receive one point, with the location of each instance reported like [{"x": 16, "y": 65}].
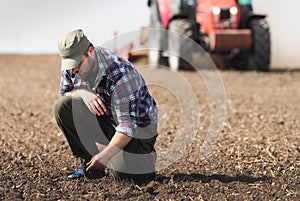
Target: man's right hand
[{"x": 91, "y": 100}]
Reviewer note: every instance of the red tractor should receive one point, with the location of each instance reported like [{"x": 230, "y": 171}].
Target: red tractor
[{"x": 221, "y": 27}]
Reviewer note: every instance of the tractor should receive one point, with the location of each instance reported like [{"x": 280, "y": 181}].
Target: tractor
[{"x": 227, "y": 28}]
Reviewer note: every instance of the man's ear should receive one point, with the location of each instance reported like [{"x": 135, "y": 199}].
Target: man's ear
[{"x": 90, "y": 49}]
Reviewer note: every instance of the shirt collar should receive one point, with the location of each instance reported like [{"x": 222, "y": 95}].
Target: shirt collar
[{"x": 102, "y": 67}]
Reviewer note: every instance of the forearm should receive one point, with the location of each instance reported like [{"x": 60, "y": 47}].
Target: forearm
[{"x": 117, "y": 143}]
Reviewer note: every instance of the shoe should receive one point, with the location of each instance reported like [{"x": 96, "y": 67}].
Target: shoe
[
  {"x": 77, "y": 174},
  {"x": 93, "y": 174}
]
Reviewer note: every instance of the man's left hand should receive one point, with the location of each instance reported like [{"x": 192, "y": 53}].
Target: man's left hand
[{"x": 96, "y": 163}]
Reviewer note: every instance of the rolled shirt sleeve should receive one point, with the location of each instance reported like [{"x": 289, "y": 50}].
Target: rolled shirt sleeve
[{"x": 126, "y": 97}]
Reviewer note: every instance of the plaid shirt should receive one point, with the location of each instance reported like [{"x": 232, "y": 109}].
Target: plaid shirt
[{"x": 121, "y": 88}]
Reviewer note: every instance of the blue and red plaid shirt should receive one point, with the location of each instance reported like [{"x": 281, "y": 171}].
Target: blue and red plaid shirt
[{"x": 121, "y": 88}]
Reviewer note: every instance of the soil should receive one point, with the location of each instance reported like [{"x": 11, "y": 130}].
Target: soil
[{"x": 255, "y": 158}]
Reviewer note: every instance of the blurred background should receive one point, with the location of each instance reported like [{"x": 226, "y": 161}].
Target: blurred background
[{"x": 35, "y": 27}]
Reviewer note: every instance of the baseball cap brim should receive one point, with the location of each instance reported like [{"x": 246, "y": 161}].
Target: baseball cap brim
[{"x": 70, "y": 63}]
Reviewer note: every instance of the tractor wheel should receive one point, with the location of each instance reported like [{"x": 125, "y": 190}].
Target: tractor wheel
[
  {"x": 155, "y": 35},
  {"x": 179, "y": 48},
  {"x": 259, "y": 56}
]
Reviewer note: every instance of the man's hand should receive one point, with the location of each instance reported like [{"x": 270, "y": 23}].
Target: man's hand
[
  {"x": 92, "y": 101},
  {"x": 117, "y": 143},
  {"x": 97, "y": 163}
]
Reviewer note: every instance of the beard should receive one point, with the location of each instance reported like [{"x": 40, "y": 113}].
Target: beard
[{"x": 89, "y": 71}]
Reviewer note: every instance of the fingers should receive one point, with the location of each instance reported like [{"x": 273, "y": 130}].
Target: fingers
[
  {"x": 101, "y": 104},
  {"x": 94, "y": 165},
  {"x": 93, "y": 102},
  {"x": 97, "y": 107},
  {"x": 89, "y": 166},
  {"x": 89, "y": 163}
]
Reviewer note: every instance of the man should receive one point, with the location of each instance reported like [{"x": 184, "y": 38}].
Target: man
[{"x": 104, "y": 99}]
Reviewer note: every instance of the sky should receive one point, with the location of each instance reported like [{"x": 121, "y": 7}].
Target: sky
[{"x": 36, "y": 26}]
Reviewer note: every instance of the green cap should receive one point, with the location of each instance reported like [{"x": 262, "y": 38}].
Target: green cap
[{"x": 71, "y": 48}]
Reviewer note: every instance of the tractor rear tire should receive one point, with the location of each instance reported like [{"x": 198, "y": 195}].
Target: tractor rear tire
[
  {"x": 179, "y": 46},
  {"x": 259, "y": 56}
]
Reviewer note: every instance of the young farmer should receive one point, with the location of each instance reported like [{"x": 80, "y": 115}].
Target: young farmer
[{"x": 104, "y": 99}]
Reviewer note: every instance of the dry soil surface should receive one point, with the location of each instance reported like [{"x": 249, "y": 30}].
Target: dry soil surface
[{"x": 256, "y": 156}]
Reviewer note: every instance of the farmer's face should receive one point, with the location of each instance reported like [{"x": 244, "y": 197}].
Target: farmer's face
[{"x": 86, "y": 66}]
